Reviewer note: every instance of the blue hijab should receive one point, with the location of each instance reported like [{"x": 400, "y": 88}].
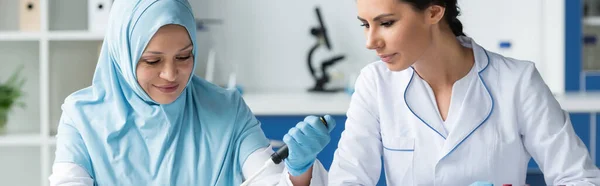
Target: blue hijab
[{"x": 120, "y": 136}]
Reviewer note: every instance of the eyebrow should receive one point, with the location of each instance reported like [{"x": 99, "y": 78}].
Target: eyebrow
[
  {"x": 376, "y": 18},
  {"x": 184, "y": 48}
]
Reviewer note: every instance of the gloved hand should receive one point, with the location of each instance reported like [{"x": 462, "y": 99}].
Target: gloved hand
[{"x": 305, "y": 141}]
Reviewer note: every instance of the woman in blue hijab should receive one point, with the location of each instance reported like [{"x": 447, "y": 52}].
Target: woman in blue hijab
[{"x": 147, "y": 120}]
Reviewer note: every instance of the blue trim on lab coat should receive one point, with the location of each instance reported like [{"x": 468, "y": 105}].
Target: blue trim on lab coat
[
  {"x": 406, "y": 90},
  {"x": 489, "y": 114}
]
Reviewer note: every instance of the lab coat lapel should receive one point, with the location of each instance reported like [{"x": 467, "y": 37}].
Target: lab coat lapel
[
  {"x": 422, "y": 107},
  {"x": 476, "y": 107}
]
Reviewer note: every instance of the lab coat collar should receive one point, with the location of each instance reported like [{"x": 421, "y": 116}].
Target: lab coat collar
[
  {"x": 480, "y": 54},
  {"x": 475, "y": 110},
  {"x": 477, "y": 106},
  {"x": 422, "y": 106}
]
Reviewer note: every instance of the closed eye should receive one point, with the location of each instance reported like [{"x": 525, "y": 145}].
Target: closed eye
[
  {"x": 183, "y": 57},
  {"x": 387, "y": 23},
  {"x": 151, "y": 62}
]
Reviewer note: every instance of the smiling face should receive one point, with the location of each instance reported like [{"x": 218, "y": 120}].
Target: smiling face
[
  {"x": 165, "y": 66},
  {"x": 399, "y": 33}
]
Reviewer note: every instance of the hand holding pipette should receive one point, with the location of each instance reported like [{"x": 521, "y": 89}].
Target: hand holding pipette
[{"x": 303, "y": 143}]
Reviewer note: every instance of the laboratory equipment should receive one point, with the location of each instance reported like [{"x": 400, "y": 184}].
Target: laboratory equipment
[
  {"x": 590, "y": 45},
  {"x": 591, "y": 60},
  {"x": 202, "y": 24},
  {"x": 320, "y": 33},
  {"x": 591, "y": 8}
]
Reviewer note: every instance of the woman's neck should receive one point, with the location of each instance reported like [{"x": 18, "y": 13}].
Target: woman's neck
[{"x": 445, "y": 62}]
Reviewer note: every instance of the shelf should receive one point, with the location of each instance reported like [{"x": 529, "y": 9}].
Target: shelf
[
  {"x": 302, "y": 103},
  {"x": 591, "y": 21},
  {"x": 20, "y": 140},
  {"x": 75, "y": 36},
  {"x": 54, "y": 35},
  {"x": 19, "y": 36},
  {"x": 580, "y": 102},
  {"x": 52, "y": 140}
]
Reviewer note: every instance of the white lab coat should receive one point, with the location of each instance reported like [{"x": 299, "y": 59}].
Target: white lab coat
[{"x": 500, "y": 116}]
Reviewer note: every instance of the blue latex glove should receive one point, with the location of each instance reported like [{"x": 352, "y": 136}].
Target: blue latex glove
[
  {"x": 481, "y": 183},
  {"x": 305, "y": 141}
]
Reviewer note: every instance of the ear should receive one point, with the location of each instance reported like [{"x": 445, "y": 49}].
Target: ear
[{"x": 434, "y": 14}]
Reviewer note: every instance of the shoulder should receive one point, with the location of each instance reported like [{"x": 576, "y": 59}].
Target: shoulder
[
  {"x": 207, "y": 91},
  {"x": 221, "y": 110},
  {"x": 75, "y": 105},
  {"x": 211, "y": 99},
  {"x": 520, "y": 78},
  {"x": 80, "y": 96},
  {"x": 508, "y": 66}
]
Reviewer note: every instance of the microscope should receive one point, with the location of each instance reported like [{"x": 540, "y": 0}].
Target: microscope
[{"x": 322, "y": 39}]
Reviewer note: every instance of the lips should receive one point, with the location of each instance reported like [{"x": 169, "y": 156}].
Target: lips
[
  {"x": 167, "y": 88},
  {"x": 387, "y": 57}
]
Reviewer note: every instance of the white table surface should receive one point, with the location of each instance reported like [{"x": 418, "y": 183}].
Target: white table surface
[{"x": 304, "y": 103}]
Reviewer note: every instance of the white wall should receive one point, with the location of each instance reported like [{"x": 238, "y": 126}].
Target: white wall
[
  {"x": 72, "y": 15},
  {"x": 20, "y": 166},
  {"x": 270, "y": 39},
  {"x": 7, "y": 15},
  {"x": 554, "y": 44},
  {"x": 535, "y": 29},
  {"x": 272, "y": 57},
  {"x": 69, "y": 59}
]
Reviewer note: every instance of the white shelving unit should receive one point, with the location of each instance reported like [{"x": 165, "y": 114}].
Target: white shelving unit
[
  {"x": 75, "y": 36},
  {"x": 58, "y": 59},
  {"x": 20, "y": 140},
  {"x": 19, "y": 36}
]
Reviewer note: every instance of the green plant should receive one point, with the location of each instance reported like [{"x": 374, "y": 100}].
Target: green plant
[{"x": 10, "y": 92}]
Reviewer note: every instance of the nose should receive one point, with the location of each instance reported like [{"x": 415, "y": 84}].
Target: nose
[
  {"x": 169, "y": 72},
  {"x": 374, "y": 42}
]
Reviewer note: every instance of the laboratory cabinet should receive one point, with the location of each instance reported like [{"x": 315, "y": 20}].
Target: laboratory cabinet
[{"x": 582, "y": 34}]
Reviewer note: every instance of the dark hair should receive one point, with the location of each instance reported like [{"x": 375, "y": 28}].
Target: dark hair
[{"x": 450, "y": 15}]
